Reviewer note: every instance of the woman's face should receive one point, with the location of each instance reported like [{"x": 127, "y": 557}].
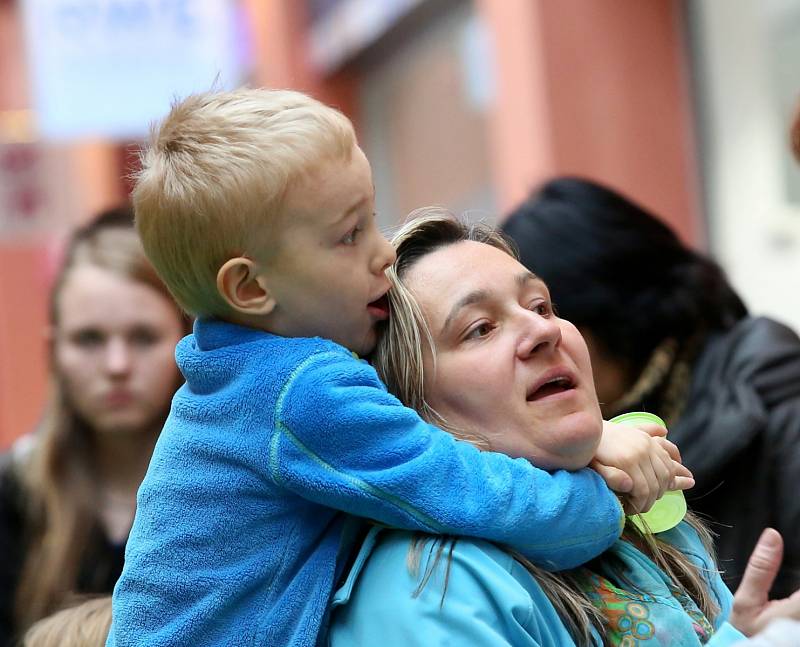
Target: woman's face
[
  {"x": 113, "y": 350},
  {"x": 507, "y": 368}
]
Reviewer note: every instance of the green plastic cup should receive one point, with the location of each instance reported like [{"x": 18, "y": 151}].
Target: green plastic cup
[{"x": 670, "y": 509}]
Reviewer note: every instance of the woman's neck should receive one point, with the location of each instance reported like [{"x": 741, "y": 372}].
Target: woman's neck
[
  {"x": 120, "y": 462},
  {"x": 121, "y": 459}
]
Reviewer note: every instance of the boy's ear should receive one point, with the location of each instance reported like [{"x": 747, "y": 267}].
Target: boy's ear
[{"x": 242, "y": 284}]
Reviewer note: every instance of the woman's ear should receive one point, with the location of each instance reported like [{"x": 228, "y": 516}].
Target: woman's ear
[{"x": 242, "y": 284}]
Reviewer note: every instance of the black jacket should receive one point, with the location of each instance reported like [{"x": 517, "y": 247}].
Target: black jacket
[
  {"x": 100, "y": 568},
  {"x": 740, "y": 435}
]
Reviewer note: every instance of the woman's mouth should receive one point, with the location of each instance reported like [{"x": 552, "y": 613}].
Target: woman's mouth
[
  {"x": 379, "y": 308},
  {"x": 550, "y": 387},
  {"x": 118, "y": 398}
]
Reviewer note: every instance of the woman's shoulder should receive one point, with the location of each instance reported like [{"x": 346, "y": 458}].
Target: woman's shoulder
[
  {"x": 406, "y": 588},
  {"x": 406, "y": 559}
]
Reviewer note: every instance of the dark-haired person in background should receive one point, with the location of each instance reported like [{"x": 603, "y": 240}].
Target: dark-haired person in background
[
  {"x": 668, "y": 334},
  {"x": 68, "y": 491}
]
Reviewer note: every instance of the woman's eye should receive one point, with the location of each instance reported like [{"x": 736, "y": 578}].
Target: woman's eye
[
  {"x": 542, "y": 308},
  {"x": 481, "y": 330},
  {"x": 143, "y": 337},
  {"x": 88, "y": 339}
]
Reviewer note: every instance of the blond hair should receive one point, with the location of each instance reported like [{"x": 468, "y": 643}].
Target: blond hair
[
  {"x": 84, "y": 625},
  {"x": 214, "y": 177},
  {"x": 398, "y": 359}
]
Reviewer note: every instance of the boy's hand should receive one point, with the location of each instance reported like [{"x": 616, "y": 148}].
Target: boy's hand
[{"x": 640, "y": 463}]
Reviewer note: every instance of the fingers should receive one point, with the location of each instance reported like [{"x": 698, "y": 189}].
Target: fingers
[
  {"x": 652, "y": 429},
  {"x": 664, "y": 468},
  {"x": 652, "y": 470},
  {"x": 650, "y": 461},
  {"x": 645, "y": 489},
  {"x": 615, "y": 478},
  {"x": 762, "y": 567},
  {"x": 670, "y": 447},
  {"x": 752, "y": 609},
  {"x": 682, "y": 483},
  {"x": 786, "y": 608}
]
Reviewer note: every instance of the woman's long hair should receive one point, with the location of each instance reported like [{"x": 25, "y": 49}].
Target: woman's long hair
[
  {"x": 59, "y": 480},
  {"x": 398, "y": 359}
]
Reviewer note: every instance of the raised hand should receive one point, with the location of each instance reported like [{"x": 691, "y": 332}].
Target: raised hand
[{"x": 752, "y": 608}]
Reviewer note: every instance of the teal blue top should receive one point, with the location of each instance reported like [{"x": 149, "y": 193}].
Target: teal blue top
[{"x": 491, "y": 599}]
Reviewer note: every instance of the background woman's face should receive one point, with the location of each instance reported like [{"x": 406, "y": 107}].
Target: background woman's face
[
  {"x": 114, "y": 349},
  {"x": 507, "y": 368}
]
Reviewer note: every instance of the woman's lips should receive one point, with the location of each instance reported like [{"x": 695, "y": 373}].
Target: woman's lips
[
  {"x": 553, "y": 384},
  {"x": 116, "y": 399}
]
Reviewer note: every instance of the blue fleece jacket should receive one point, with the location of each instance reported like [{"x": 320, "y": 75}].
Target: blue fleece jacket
[{"x": 239, "y": 535}]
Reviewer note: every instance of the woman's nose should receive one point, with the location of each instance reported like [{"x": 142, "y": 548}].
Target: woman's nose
[
  {"x": 118, "y": 357},
  {"x": 538, "y": 334}
]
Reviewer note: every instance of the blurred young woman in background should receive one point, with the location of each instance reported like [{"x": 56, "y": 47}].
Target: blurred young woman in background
[{"x": 68, "y": 491}]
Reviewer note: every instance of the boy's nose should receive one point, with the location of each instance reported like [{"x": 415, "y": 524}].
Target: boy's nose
[{"x": 385, "y": 256}]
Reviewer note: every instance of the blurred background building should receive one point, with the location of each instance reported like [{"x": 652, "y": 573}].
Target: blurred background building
[{"x": 683, "y": 105}]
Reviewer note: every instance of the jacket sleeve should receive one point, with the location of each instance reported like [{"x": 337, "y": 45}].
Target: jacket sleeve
[
  {"x": 342, "y": 441},
  {"x": 481, "y": 605}
]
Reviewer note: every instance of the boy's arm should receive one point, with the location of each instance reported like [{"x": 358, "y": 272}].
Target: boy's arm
[{"x": 342, "y": 441}]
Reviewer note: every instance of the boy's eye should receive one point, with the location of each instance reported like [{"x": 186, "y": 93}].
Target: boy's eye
[{"x": 350, "y": 237}]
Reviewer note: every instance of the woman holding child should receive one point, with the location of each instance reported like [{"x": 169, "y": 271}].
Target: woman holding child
[
  {"x": 473, "y": 344},
  {"x": 68, "y": 492}
]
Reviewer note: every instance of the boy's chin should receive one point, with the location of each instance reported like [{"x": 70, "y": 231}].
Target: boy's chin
[{"x": 365, "y": 347}]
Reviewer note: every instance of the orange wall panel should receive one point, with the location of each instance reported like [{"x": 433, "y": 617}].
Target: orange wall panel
[
  {"x": 620, "y": 102},
  {"x": 596, "y": 88},
  {"x": 23, "y": 323}
]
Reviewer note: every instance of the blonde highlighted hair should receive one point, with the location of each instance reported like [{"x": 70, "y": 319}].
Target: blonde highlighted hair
[
  {"x": 84, "y": 625},
  {"x": 214, "y": 177},
  {"x": 398, "y": 359}
]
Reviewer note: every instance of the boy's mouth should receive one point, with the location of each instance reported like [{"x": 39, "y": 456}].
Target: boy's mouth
[{"x": 379, "y": 308}]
